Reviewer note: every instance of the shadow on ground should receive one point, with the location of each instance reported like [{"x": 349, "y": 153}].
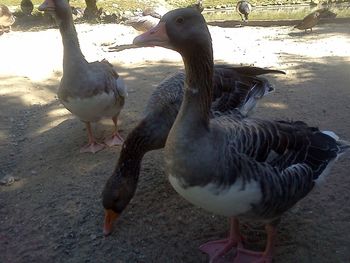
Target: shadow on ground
[{"x": 54, "y": 213}]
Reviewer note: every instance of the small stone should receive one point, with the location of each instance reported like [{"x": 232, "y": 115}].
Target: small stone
[{"x": 8, "y": 180}]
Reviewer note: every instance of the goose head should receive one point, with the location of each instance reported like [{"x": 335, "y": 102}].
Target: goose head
[
  {"x": 183, "y": 30},
  {"x": 116, "y": 195},
  {"x": 59, "y": 8}
]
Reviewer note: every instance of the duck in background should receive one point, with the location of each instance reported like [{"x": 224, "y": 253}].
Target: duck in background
[
  {"x": 232, "y": 165},
  {"x": 312, "y": 19},
  {"x": 90, "y": 91},
  {"x": 244, "y": 8},
  {"x": 146, "y": 20},
  {"x": 6, "y": 19},
  {"x": 150, "y": 16},
  {"x": 198, "y": 6},
  {"x": 27, "y": 7}
]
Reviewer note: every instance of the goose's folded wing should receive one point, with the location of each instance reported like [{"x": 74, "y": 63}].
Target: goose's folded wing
[
  {"x": 282, "y": 144},
  {"x": 286, "y": 159},
  {"x": 239, "y": 88},
  {"x": 107, "y": 79}
]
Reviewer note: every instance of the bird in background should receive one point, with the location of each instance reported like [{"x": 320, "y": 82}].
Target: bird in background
[
  {"x": 6, "y": 19},
  {"x": 244, "y": 8},
  {"x": 312, "y": 19},
  {"x": 27, "y": 7},
  {"x": 89, "y": 90}
]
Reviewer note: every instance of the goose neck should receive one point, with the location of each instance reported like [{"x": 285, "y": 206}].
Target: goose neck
[
  {"x": 71, "y": 49},
  {"x": 198, "y": 85}
]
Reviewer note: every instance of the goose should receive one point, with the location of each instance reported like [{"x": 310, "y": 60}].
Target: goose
[
  {"x": 6, "y": 19},
  {"x": 233, "y": 88},
  {"x": 90, "y": 91},
  {"x": 150, "y": 16},
  {"x": 243, "y": 8},
  {"x": 147, "y": 19},
  {"x": 198, "y": 5},
  {"x": 142, "y": 23},
  {"x": 236, "y": 166},
  {"x": 312, "y": 19},
  {"x": 309, "y": 21},
  {"x": 27, "y": 7}
]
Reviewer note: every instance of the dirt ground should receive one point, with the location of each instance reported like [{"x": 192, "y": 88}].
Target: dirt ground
[{"x": 53, "y": 212}]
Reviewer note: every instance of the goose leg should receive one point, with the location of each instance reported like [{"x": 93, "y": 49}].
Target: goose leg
[
  {"x": 116, "y": 139},
  {"x": 92, "y": 146},
  {"x": 247, "y": 256},
  {"x": 218, "y": 248}
]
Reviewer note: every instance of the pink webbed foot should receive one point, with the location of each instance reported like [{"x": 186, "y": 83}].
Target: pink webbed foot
[
  {"x": 116, "y": 139},
  {"x": 93, "y": 147},
  {"x": 247, "y": 256},
  {"x": 217, "y": 249}
]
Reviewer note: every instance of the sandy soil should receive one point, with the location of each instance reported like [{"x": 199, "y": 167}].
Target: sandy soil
[{"x": 53, "y": 212}]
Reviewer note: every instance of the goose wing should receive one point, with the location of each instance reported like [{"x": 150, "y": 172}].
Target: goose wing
[
  {"x": 107, "y": 79},
  {"x": 282, "y": 144},
  {"x": 240, "y": 88},
  {"x": 286, "y": 159}
]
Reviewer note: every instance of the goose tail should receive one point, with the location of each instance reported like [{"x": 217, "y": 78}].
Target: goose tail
[
  {"x": 258, "y": 91},
  {"x": 343, "y": 146},
  {"x": 256, "y": 71},
  {"x": 326, "y": 149}
]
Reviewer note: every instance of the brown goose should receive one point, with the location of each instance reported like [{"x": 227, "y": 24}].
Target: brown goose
[
  {"x": 312, "y": 19},
  {"x": 6, "y": 19},
  {"x": 234, "y": 88},
  {"x": 90, "y": 91},
  {"x": 232, "y": 165}
]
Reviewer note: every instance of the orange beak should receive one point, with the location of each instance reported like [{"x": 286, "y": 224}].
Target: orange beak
[{"x": 110, "y": 217}]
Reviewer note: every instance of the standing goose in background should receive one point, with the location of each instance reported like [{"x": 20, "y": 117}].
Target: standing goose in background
[
  {"x": 244, "y": 8},
  {"x": 233, "y": 88},
  {"x": 150, "y": 16},
  {"x": 6, "y": 19},
  {"x": 90, "y": 91},
  {"x": 231, "y": 165},
  {"x": 198, "y": 5},
  {"x": 27, "y": 7},
  {"x": 145, "y": 21}
]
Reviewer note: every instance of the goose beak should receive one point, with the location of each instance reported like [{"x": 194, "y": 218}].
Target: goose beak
[
  {"x": 156, "y": 36},
  {"x": 110, "y": 217}
]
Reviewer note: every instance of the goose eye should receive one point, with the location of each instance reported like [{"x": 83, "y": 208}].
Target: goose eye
[{"x": 179, "y": 20}]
